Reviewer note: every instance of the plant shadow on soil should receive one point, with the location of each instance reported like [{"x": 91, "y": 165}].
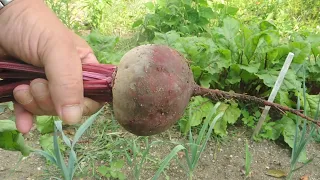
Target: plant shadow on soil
[{"x": 222, "y": 158}]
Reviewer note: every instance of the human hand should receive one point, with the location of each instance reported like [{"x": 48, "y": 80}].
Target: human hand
[{"x": 30, "y": 31}]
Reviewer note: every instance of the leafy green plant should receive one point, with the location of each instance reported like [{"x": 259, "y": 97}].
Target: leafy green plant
[
  {"x": 248, "y": 159},
  {"x": 200, "y": 108},
  {"x": 95, "y": 10},
  {"x": 45, "y": 124},
  {"x": 136, "y": 155},
  {"x": 104, "y": 47},
  {"x": 289, "y": 15},
  {"x": 113, "y": 171},
  {"x": 66, "y": 10},
  {"x": 67, "y": 170},
  {"x": 192, "y": 17},
  {"x": 301, "y": 138},
  {"x": 195, "y": 147},
  {"x": 11, "y": 139},
  {"x": 247, "y": 58},
  {"x": 111, "y": 17}
]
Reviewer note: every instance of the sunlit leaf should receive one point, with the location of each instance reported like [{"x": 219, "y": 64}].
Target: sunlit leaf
[
  {"x": 276, "y": 173},
  {"x": 45, "y": 124},
  {"x": 11, "y": 139},
  {"x": 231, "y": 115},
  {"x": 290, "y": 81}
]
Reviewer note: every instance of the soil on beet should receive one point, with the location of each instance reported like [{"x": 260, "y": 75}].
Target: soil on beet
[{"x": 222, "y": 159}]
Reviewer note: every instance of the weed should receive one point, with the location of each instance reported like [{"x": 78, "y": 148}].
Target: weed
[
  {"x": 136, "y": 155},
  {"x": 248, "y": 161},
  {"x": 301, "y": 138},
  {"x": 113, "y": 171},
  {"x": 195, "y": 147},
  {"x": 67, "y": 170},
  {"x": 68, "y": 12}
]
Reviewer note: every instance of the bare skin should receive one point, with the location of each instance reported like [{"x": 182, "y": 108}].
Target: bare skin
[{"x": 30, "y": 31}]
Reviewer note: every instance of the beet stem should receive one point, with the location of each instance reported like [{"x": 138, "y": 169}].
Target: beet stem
[{"x": 97, "y": 79}]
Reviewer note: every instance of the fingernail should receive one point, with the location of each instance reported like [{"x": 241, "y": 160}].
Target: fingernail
[
  {"x": 23, "y": 97},
  {"x": 40, "y": 89},
  {"x": 71, "y": 114}
]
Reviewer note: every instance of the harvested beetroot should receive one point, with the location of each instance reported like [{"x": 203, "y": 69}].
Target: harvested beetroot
[{"x": 149, "y": 90}]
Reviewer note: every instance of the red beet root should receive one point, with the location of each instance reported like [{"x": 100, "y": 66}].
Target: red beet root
[{"x": 152, "y": 88}]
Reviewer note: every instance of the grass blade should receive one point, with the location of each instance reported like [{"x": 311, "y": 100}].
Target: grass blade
[
  {"x": 167, "y": 159},
  {"x": 57, "y": 152},
  {"x": 72, "y": 161},
  {"x": 213, "y": 123},
  {"x": 195, "y": 146},
  {"x": 58, "y": 125},
  {"x": 48, "y": 156},
  {"x": 208, "y": 118},
  {"x": 248, "y": 160},
  {"x": 72, "y": 155},
  {"x": 84, "y": 127}
]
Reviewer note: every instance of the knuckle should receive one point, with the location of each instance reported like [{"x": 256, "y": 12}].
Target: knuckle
[{"x": 23, "y": 97}]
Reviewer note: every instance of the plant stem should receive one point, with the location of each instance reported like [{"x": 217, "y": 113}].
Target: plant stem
[
  {"x": 190, "y": 175},
  {"x": 97, "y": 79},
  {"x": 218, "y": 95}
]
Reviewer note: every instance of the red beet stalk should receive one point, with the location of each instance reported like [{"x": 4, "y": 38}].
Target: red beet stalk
[{"x": 97, "y": 79}]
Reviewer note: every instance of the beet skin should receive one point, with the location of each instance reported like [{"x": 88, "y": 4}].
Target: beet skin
[{"x": 151, "y": 89}]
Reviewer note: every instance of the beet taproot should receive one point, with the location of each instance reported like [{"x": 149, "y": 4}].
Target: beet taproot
[{"x": 152, "y": 88}]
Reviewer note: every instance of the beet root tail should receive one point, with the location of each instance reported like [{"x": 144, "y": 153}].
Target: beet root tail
[{"x": 218, "y": 95}]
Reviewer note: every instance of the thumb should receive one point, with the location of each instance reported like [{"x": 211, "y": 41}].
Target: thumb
[{"x": 64, "y": 73}]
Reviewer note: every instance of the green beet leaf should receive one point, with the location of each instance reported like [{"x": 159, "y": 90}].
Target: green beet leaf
[
  {"x": 288, "y": 132},
  {"x": 311, "y": 103},
  {"x": 45, "y": 124},
  {"x": 231, "y": 115},
  {"x": 46, "y": 143},
  {"x": 198, "y": 109},
  {"x": 219, "y": 60},
  {"x": 301, "y": 51},
  {"x": 11, "y": 139},
  {"x": 206, "y": 12},
  {"x": 290, "y": 81}
]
